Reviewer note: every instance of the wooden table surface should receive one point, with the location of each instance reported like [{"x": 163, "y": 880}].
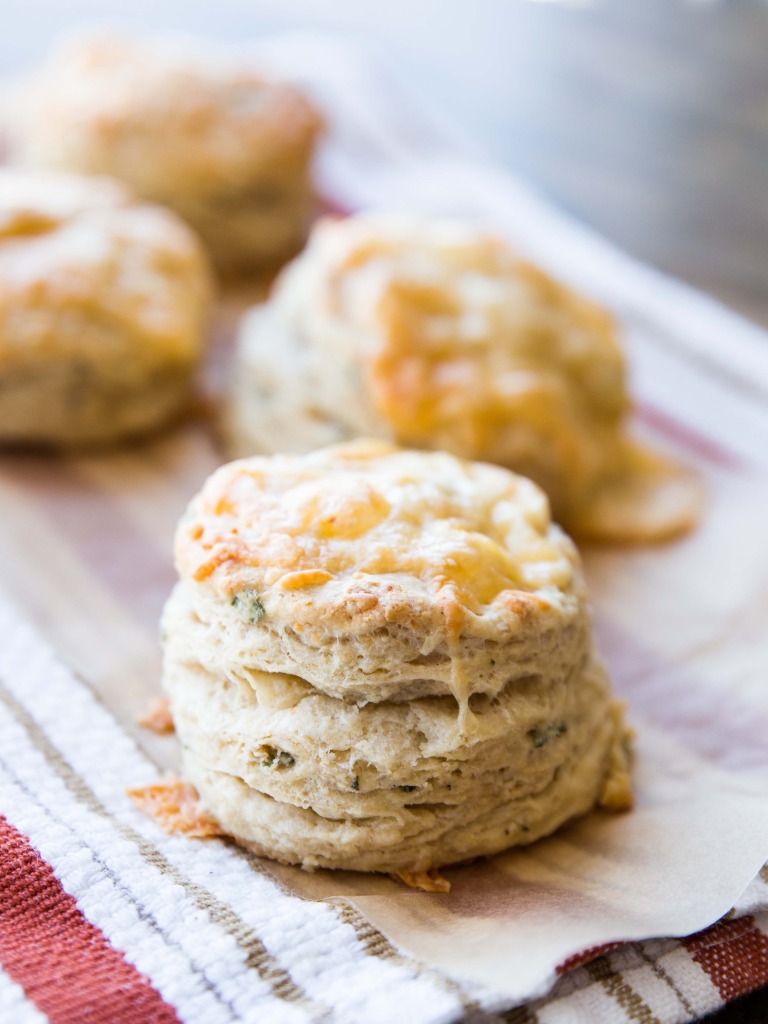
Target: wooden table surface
[{"x": 646, "y": 118}]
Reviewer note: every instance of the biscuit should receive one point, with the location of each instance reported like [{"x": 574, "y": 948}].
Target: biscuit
[
  {"x": 435, "y": 335},
  {"x": 226, "y": 148},
  {"x": 381, "y": 660},
  {"x": 103, "y": 304}
]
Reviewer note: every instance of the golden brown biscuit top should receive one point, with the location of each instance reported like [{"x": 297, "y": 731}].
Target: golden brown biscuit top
[
  {"x": 73, "y": 245},
  {"x": 169, "y": 113},
  {"x": 373, "y": 519},
  {"x": 467, "y": 303}
]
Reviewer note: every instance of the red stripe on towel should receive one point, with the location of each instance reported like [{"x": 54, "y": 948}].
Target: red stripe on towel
[
  {"x": 706, "y": 447},
  {"x": 734, "y": 955},
  {"x": 65, "y": 964}
]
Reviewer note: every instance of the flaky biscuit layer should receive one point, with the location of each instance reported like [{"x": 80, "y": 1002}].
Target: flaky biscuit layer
[{"x": 398, "y": 785}]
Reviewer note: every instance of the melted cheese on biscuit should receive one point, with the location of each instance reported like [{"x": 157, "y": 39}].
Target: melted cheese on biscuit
[
  {"x": 467, "y": 534},
  {"x": 464, "y": 346},
  {"x": 79, "y": 247}
]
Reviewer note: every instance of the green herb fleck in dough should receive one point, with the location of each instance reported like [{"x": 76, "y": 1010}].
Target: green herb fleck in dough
[
  {"x": 541, "y": 735},
  {"x": 356, "y": 783},
  {"x": 248, "y": 605},
  {"x": 407, "y": 789},
  {"x": 277, "y": 759}
]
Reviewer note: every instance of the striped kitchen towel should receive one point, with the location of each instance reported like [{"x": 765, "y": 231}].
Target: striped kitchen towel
[
  {"x": 103, "y": 918},
  {"x": 106, "y": 919}
]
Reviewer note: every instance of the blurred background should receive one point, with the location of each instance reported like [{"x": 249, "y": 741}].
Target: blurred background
[{"x": 648, "y": 119}]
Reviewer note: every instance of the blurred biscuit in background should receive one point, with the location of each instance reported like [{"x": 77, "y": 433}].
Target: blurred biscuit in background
[
  {"x": 437, "y": 335},
  {"x": 226, "y": 148},
  {"x": 103, "y": 307}
]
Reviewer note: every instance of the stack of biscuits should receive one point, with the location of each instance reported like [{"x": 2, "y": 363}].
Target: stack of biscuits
[{"x": 380, "y": 659}]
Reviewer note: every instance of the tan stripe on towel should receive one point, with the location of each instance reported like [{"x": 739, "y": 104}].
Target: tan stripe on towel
[{"x": 635, "y": 1008}]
